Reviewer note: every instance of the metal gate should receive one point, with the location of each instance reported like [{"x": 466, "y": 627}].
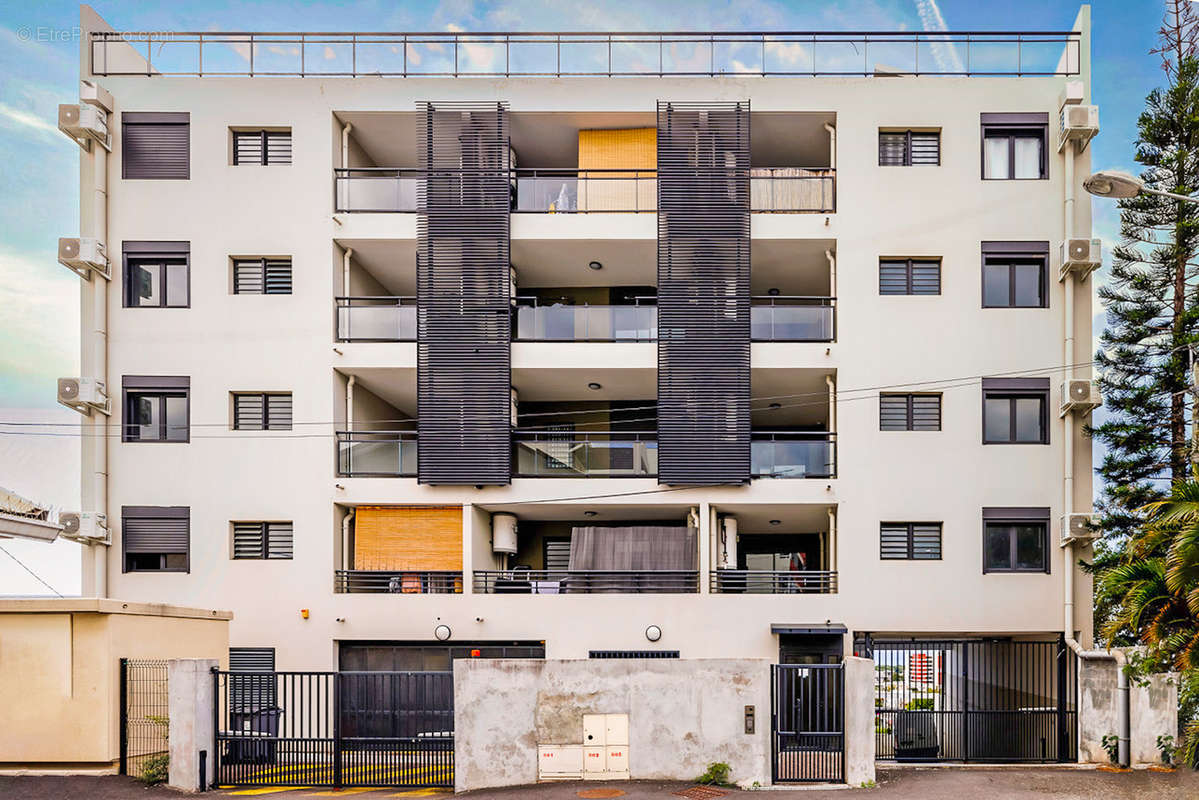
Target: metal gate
[
  {"x": 334, "y": 729},
  {"x": 991, "y": 701},
  {"x": 808, "y": 723},
  {"x": 143, "y": 725}
]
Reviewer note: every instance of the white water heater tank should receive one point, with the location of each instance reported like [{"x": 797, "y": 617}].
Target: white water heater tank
[
  {"x": 503, "y": 533},
  {"x": 728, "y": 543}
]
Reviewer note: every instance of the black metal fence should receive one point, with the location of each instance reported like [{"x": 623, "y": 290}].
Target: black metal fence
[
  {"x": 808, "y": 722},
  {"x": 144, "y": 709},
  {"x": 1000, "y": 701},
  {"x": 334, "y": 729}
]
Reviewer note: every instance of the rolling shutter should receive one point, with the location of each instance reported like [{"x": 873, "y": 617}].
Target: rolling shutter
[
  {"x": 417, "y": 538},
  {"x": 910, "y": 541},
  {"x": 262, "y": 276},
  {"x": 261, "y": 147},
  {"x": 259, "y": 412},
  {"x": 157, "y": 530},
  {"x": 155, "y": 145},
  {"x": 262, "y": 540}
]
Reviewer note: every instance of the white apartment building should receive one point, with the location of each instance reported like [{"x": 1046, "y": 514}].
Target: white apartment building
[{"x": 715, "y": 346}]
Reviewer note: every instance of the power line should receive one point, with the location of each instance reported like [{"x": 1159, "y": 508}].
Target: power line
[{"x": 30, "y": 571}]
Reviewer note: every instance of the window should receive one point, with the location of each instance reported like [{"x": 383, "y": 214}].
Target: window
[
  {"x": 155, "y": 538},
  {"x": 262, "y": 540},
  {"x": 1015, "y": 540},
  {"x": 909, "y": 276},
  {"x": 261, "y": 147},
  {"x": 909, "y": 412},
  {"x": 1015, "y": 410},
  {"x": 262, "y": 412},
  {"x": 909, "y": 148},
  {"x": 155, "y": 145},
  {"x": 910, "y": 541},
  {"x": 249, "y": 693},
  {"x": 262, "y": 275},
  {"x": 1013, "y": 146},
  {"x": 1015, "y": 274},
  {"x": 156, "y": 408},
  {"x": 157, "y": 274}
]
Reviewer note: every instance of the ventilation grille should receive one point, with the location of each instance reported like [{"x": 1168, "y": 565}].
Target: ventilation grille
[
  {"x": 261, "y": 147},
  {"x": 633, "y": 654},
  {"x": 262, "y": 412},
  {"x": 262, "y": 276},
  {"x": 262, "y": 540},
  {"x": 910, "y": 541}
]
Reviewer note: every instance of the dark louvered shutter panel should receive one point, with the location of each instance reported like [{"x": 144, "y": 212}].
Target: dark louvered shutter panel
[
  {"x": 248, "y": 277},
  {"x": 926, "y": 541},
  {"x": 703, "y": 293},
  {"x": 249, "y": 412},
  {"x": 250, "y": 693},
  {"x": 278, "y": 147},
  {"x": 155, "y": 145},
  {"x": 278, "y": 412},
  {"x": 892, "y": 149},
  {"x": 278, "y": 276},
  {"x": 893, "y": 541},
  {"x": 926, "y": 412},
  {"x": 926, "y": 277},
  {"x": 919, "y": 541},
  {"x": 926, "y": 149},
  {"x": 893, "y": 412},
  {"x": 279, "y": 540},
  {"x": 892, "y": 277},
  {"x": 463, "y": 341},
  {"x": 156, "y": 534},
  {"x": 247, "y": 147},
  {"x": 248, "y": 540},
  {"x": 557, "y": 554}
]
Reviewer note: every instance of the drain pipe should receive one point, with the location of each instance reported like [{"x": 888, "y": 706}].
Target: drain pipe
[
  {"x": 345, "y": 145},
  {"x": 346, "y": 563},
  {"x": 832, "y": 272},
  {"x": 350, "y": 402},
  {"x": 832, "y": 403},
  {"x": 345, "y": 271},
  {"x": 832, "y": 145}
]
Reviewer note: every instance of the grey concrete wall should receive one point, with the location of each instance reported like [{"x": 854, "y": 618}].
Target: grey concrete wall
[
  {"x": 1097, "y": 707},
  {"x": 190, "y": 699},
  {"x": 683, "y": 714},
  {"x": 859, "y": 720},
  {"x": 1153, "y": 711}
]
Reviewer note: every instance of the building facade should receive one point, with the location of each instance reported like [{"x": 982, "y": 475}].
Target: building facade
[{"x": 708, "y": 359}]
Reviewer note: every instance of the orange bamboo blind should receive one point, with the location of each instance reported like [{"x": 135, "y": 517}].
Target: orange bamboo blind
[
  {"x": 620, "y": 148},
  {"x": 408, "y": 538}
]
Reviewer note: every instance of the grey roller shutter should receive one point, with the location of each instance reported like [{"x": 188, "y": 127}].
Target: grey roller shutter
[
  {"x": 268, "y": 540},
  {"x": 156, "y": 535},
  {"x": 155, "y": 145},
  {"x": 463, "y": 339},
  {"x": 703, "y": 293}
]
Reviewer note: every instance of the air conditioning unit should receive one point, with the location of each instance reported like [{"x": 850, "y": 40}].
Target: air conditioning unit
[
  {"x": 1081, "y": 396},
  {"x": 1079, "y": 528},
  {"x": 1079, "y": 123},
  {"x": 83, "y": 394},
  {"x": 83, "y": 256},
  {"x": 1081, "y": 257},
  {"x": 84, "y": 526},
  {"x": 93, "y": 94},
  {"x": 84, "y": 123}
]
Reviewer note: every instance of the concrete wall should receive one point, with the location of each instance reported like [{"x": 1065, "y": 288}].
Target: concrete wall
[
  {"x": 859, "y": 720},
  {"x": 1153, "y": 711},
  {"x": 1097, "y": 707},
  {"x": 59, "y": 660},
  {"x": 683, "y": 714},
  {"x": 190, "y": 698}
]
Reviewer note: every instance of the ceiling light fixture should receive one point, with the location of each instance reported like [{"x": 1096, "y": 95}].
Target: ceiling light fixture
[
  {"x": 776, "y": 405},
  {"x": 772, "y": 292},
  {"x": 595, "y": 265},
  {"x": 776, "y": 522},
  {"x": 590, "y": 513},
  {"x": 595, "y": 387}
]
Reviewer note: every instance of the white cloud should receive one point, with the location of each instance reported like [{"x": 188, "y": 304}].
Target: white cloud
[
  {"x": 944, "y": 53},
  {"x": 27, "y": 119}
]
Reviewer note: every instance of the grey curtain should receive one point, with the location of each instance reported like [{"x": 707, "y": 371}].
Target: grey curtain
[{"x": 637, "y": 547}]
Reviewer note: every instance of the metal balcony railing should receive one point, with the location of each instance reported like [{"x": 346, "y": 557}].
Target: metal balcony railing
[
  {"x": 364, "y": 581},
  {"x": 376, "y": 454},
  {"x": 611, "y": 54},
  {"x": 528, "y": 581},
  {"x": 793, "y": 318},
  {"x": 780, "y": 189},
  {"x": 376, "y": 189},
  {"x": 635, "y": 322},
  {"x": 598, "y": 454},
  {"x": 754, "y": 581},
  {"x": 574, "y": 191},
  {"x": 791, "y": 454},
  {"x": 376, "y": 319}
]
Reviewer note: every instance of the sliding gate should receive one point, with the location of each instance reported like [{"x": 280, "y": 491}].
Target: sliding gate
[
  {"x": 994, "y": 700},
  {"x": 808, "y": 723},
  {"x": 334, "y": 729}
]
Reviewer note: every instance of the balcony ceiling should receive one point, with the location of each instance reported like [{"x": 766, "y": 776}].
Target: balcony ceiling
[
  {"x": 392, "y": 262},
  {"x": 570, "y": 383},
  {"x": 793, "y": 266},
  {"x": 606, "y": 513},
  {"x": 802, "y": 395},
  {"x": 792, "y": 517},
  {"x": 563, "y": 262}
]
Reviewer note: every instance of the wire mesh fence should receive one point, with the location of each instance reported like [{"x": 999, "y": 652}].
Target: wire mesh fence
[{"x": 144, "y": 720}]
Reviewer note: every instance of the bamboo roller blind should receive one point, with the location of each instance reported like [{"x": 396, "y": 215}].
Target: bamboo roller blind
[{"x": 415, "y": 538}]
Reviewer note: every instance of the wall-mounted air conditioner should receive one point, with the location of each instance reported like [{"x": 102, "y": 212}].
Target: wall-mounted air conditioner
[
  {"x": 1081, "y": 396},
  {"x": 1081, "y": 528},
  {"x": 83, "y": 256},
  {"x": 84, "y": 123},
  {"x": 84, "y": 526},
  {"x": 1079, "y": 124},
  {"x": 83, "y": 394},
  {"x": 1080, "y": 257},
  {"x": 95, "y": 95}
]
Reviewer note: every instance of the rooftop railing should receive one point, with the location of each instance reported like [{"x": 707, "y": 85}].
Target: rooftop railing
[{"x": 550, "y": 54}]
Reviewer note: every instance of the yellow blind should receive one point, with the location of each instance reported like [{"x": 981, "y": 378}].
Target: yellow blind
[
  {"x": 408, "y": 538},
  {"x": 618, "y": 148}
]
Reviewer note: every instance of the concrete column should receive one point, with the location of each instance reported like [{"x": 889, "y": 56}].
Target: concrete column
[
  {"x": 1097, "y": 707},
  {"x": 859, "y": 720},
  {"x": 1153, "y": 712},
  {"x": 190, "y": 703},
  {"x": 706, "y": 536}
]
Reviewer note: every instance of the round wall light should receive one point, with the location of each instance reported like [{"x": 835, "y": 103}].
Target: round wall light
[
  {"x": 442, "y": 632},
  {"x": 595, "y": 387},
  {"x": 776, "y": 405},
  {"x": 590, "y": 513},
  {"x": 776, "y": 522},
  {"x": 653, "y": 633},
  {"x": 772, "y": 292},
  {"x": 595, "y": 265}
]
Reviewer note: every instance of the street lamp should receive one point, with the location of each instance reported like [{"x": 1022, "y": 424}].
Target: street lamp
[{"x": 1116, "y": 185}]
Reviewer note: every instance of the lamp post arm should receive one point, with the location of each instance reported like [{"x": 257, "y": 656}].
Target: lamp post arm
[{"x": 1171, "y": 195}]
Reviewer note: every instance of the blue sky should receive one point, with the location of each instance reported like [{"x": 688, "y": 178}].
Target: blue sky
[{"x": 39, "y": 66}]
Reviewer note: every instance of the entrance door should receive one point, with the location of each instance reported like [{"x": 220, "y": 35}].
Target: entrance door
[{"x": 808, "y": 723}]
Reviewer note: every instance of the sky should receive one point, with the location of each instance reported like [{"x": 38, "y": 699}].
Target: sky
[{"x": 39, "y": 167}]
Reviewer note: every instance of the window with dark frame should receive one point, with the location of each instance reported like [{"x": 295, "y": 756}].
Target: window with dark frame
[
  {"x": 906, "y": 148},
  {"x": 155, "y": 409},
  {"x": 910, "y": 541},
  {"x": 1014, "y": 146},
  {"x": 261, "y": 147},
  {"x": 155, "y": 145},
  {"x": 262, "y": 275},
  {"x": 1015, "y": 274},
  {"x": 156, "y": 274},
  {"x": 911, "y": 276},
  {"x": 262, "y": 540},
  {"x": 155, "y": 538},
  {"x": 1015, "y": 540},
  {"x": 909, "y": 412},
  {"x": 262, "y": 411},
  {"x": 1015, "y": 410}
]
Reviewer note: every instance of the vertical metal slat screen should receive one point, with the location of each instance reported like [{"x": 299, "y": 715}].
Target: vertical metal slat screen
[
  {"x": 703, "y": 293},
  {"x": 463, "y": 337}
]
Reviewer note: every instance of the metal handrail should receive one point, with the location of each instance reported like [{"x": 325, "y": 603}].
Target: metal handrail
[
  {"x": 760, "y": 581},
  {"x": 585, "y": 436},
  {"x": 354, "y": 581},
  {"x": 660, "y": 54},
  {"x": 821, "y": 463},
  {"x": 586, "y": 581},
  {"x": 803, "y": 318},
  {"x": 385, "y": 318},
  {"x": 353, "y": 464},
  {"x": 591, "y": 454},
  {"x": 535, "y": 302},
  {"x": 539, "y": 321}
]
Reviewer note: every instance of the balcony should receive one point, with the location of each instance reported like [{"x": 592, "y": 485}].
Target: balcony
[
  {"x": 779, "y": 318},
  {"x": 376, "y": 189},
  {"x": 793, "y": 454},
  {"x": 376, "y": 454},
  {"x": 376, "y": 319},
  {"x": 540, "y": 322},
  {"x": 597, "y": 454},
  {"x": 362, "y": 581},
  {"x": 760, "y": 581},
  {"x": 593, "y": 581}
]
